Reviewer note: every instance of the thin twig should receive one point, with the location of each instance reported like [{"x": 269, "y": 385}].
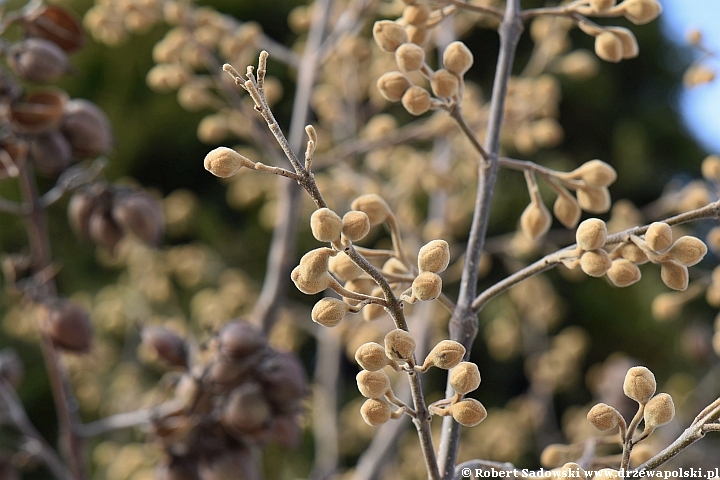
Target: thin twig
[{"x": 115, "y": 422}]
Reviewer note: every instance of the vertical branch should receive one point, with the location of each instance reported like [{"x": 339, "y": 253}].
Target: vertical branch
[{"x": 463, "y": 324}]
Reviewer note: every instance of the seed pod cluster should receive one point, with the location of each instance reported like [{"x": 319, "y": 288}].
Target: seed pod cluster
[{"x": 105, "y": 214}]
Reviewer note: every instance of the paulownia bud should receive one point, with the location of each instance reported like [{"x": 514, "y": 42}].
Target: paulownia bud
[
  {"x": 168, "y": 346},
  {"x": 376, "y": 411},
  {"x": 37, "y": 60},
  {"x": 465, "y": 378},
  {"x": 667, "y": 306},
  {"x": 434, "y": 256},
  {"x": 356, "y": 225},
  {"x": 641, "y": 12},
  {"x": 373, "y": 311},
  {"x": 371, "y": 356},
  {"x": 225, "y": 162},
  {"x": 68, "y": 325},
  {"x": 329, "y": 311},
  {"x": 399, "y": 345},
  {"x": 393, "y": 85},
  {"x": 688, "y": 250},
  {"x": 594, "y": 199},
  {"x": 247, "y": 410},
  {"x": 389, "y": 35},
  {"x": 444, "y": 84},
  {"x": 535, "y": 220},
  {"x": 710, "y": 168},
  {"x": 344, "y": 268},
  {"x": 373, "y": 384},
  {"x": 659, "y": 411},
  {"x": 629, "y": 42},
  {"x": 572, "y": 470},
  {"x": 87, "y": 128},
  {"x": 417, "y": 34},
  {"x": 567, "y": 210},
  {"x": 595, "y": 263},
  {"x": 591, "y": 234},
  {"x": 446, "y": 355},
  {"x": 632, "y": 252},
  {"x": 595, "y": 173},
  {"x": 658, "y": 237},
  {"x": 410, "y": 57},
  {"x": 326, "y": 225},
  {"x": 674, "y": 275},
  {"x": 457, "y": 58},
  {"x": 609, "y": 47},
  {"x": 427, "y": 286},
  {"x": 314, "y": 263},
  {"x": 639, "y": 384},
  {"x": 416, "y": 14},
  {"x": 601, "y": 5},
  {"x": 239, "y": 339},
  {"x": 374, "y": 206},
  {"x": 553, "y": 455},
  {"x": 603, "y": 417},
  {"x": 468, "y": 412},
  {"x": 416, "y": 100},
  {"x": 138, "y": 212},
  {"x": 623, "y": 273}
]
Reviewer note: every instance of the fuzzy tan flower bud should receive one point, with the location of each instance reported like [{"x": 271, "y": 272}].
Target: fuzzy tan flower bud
[
  {"x": 468, "y": 412},
  {"x": 399, "y": 345},
  {"x": 667, "y": 306},
  {"x": 659, "y": 410},
  {"x": 374, "y": 206},
  {"x": 427, "y": 286},
  {"x": 444, "y": 84},
  {"x": 457, "y": 58},
  {"x": 594, "y": 199},
  {"x": 344, "y": 268},
  {"x": 641, "y": 12},
  {"x": 434, "y": 256},
  {"x": 393, "y": 85},
  {"x": 567, "y": 210},
  {"x": 371, "y": 356},
  {"x": 710, "y": 168},
  {"x": 315, "y": 262},
  {"x": 375, "y": 411},
  {"x": 591, "y": 234},
  {"x": 630, "y": 47},
  {"x": 632, "y": 252},
  {"x": 372, "y": 312},
  {"x": 698, "y": 74},
  {"x": 416, "y": 14},
  {"x": 603, "y": 417},
  {"x": 373, "y": 384},
  {"x": 329, "y": 311},
  {"x": 389, "y": 35},
  {"x": 688, "y": 250},
  {"x": 639, "y": 384},
  {"x": 416, "y": 100},
  {"x": 659, "y": 237},
  {"x": 410, "y": 57},
  {"x": 623, "y": 273},
  {"x": 326, "y": 225},
  {"x": 225, "y": 162},
  {"x": 595, "y": 263},
  {"x": 417, "y": 34},
  {"x": 446, "y": 355},
  {"x": 609, "y": 47},
  {"x": 674, "y": 275},
  {"x": 465, "y": 378},
  {"x": 535, "y": 220},
  {"x": 356, "y": 225},
  {"x": 601, "y": 5}
]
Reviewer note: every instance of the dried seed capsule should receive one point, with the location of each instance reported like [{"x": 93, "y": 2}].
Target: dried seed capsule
[
  {"x": 410, "y": 57},
  {"x": 639, "y": 384},
  {"x": 710, "y": 168},
  {"x": 595, "y": 263},
  {"x": 247, "y": 410},
  {"x": 674, "y": 275},
  {"x": 68, "y": 325},
  {"x": 629, "y": 42},
  {"x": 56, "y": 24},
  {"x": 641, "y": 12},
  {"x": 688, "y": 250},
  {"x": 326, "y": 225},
  {"x": 168, "y": 346},
  {"x": 356, "y": 225},
  {"x": 87, "y": 128},
  {"x": 468, "y": 412},
  {"x": 239, "y": 339},
  {"x": 329, "y": 311},
  {"x": 603, "y": 417},
  {"x": 416, "y": 14},
  {"x": 608, "y": 46},
  {"x": 623, "y": 273},
  {"x": 11, "y": 367},
  {"x": 591, "y": 234},
  {"x": 393, "y": 85},
  {"x": 595, "y": 173},
  {"x": 457, "y": 58},
  {"x": 389, "y": 35},
  {"x": 465, "y": 378},
  {"x": 284, "y": 381},
  {"x": 399, "y": 345},
  {"x": 601, "y": 5},
  {"x": 37, "y": 60},
  {"x": 375, "y": 411},
  {"x": 434, "y": 256},
  {"x": 103, "y": 230},
  {"x": 344, "y": 269},
  {"x": 50, "y": 153},
  {"x": 567, "y": 210},
  {"x": 446, "y": 355},
  {"x": 535, "y": 220},
  {"x": 138, "y": 212},
  {"x": 444, "y": 84},
  {"x": 225, "y": 162},
  {"x": 427, "y": 286},
  {"x": 594, "y": 199},
  {"x": 374, "y": 206},
  {"x": 38, "y": 112},
  {"x": 373, "y": 384},
  {"x": 659, "y": 410},
  {"x": 416, "y": 100},
  {"x": 371, "y": 356}
]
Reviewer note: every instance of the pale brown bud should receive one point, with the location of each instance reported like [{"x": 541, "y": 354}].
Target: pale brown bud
[
  {"x": 315, "y": 262},
  {"x": 416, "y": 14},
  {"x": 37, "y": 60},
  {"x": 374, "y": 206},
  {"x": 603, "y": 417},
  {"x": 371, "y": 356},
  {"x": 457, "y": 58},
  {"x": 595, "y": 263},
  {"x": 572, "y": 470},
  {"x": 639, "y": 384},
  {"x": 667, "y": 306},
  {"x": 632, "y": 252},
  {"x": 434, "y": 256},
  {"x": 630, "y": 47},
  {"x": 417, "y": 34},
  {"x": 535, "y": 220},
  {"x": 168, "y": 346},
  {"x": 468, "y": 412},
  {"x": 329, "y": 311},
  {"x": 446, "y": 355},
  {"x": 389, "y": 35},
  {"x": 399, "y": 345},
  {"x": 688, "y": 250},
  {"x": 326, "y": 225},
  {"x": 373, "y": 384},
  {"x": 416, "y": 100},
  {"x": 87, "y": 128},
  {"x": 609, "y": 47},
  {"x": 553, "y": 455},
  {"x": 659, "y": 410},
  {"x": 674, "y": 275},
  {"x": 393, "y": 85},
  {"x": 641, "y": 12},
  {"x": 710, "y": 168},
  {"x": 410, "y": 57},
  {"x": 567, "y": 210},
  {"x": 356, "y": 225},
  {"x": 225, "y": 162},
  {"x": 373, "y": 311},
  {"x": 465, "y": 378},
  {"x": 375, "y": 411},
  {"x": 239, "y": 339},
  {"x": 601, "y": 5},
  {"x": 659, "y": 237},
  {"x": 344, "y": 268},
  {"x": 591, "y": 234},
  {"x": 444, "y": 84},
  {"x": 594, "y": 199},
  {"x": 68, "y": 325},
  {"x": 623, "y": 273},
  {"x": 427, "y": 286},
  {"x": 595, "y": 173},
  {"x": 394, "y": 265}
]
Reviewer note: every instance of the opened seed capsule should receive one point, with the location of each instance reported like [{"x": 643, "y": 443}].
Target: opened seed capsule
[
  {"x": 399, "y": 345},
  {"x": 591, "y": 234},
  {"x": 373, "y": 384},
  {"x": 603, "y": 417},
  {"x": 639, "y": 384},
  {"x": 465, "y": 378},
  {"x": 659, "y": 410},
  {"x": 434, "y": 256}
]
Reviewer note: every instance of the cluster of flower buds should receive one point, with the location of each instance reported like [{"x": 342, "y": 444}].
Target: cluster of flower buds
[
  {"x": 68, "y": 325},
  {"x": 240, "y": 392},
  {"x": 104, "y": 214}
]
